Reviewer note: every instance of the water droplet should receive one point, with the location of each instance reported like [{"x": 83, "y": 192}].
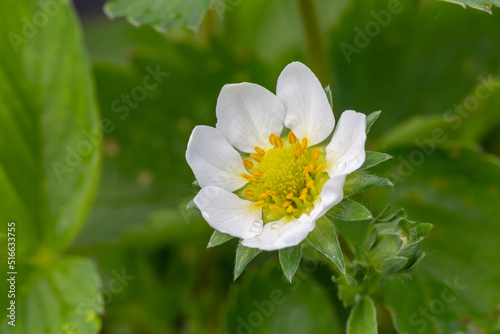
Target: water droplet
[
  {"x": 275, "y": 226},
  {"x": 341, "y": 165},
  {"x": 255, "y": 230},
  {"x": 256, "y": 223}
]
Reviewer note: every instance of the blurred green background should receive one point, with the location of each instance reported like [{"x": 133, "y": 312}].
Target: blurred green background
[{"x": 105, "y": 242}]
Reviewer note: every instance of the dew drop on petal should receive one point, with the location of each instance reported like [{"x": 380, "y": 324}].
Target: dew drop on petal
[
  {"x": 256, "y": 223},
  {"x": 255, "y": 230},
  {"x": 275, "y": 226}
]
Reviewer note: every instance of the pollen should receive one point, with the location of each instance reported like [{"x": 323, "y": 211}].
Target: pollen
[
  {"x": 256, "y": 157},
  {"x": 259, "y": 203},
  {"x": 259, "y": 151},
  {"x": 249, "y": 193},
  {"x": 315, "y": 154},
  {"x": 274, "y": 207},
  {"x": 292, "y": 139}
]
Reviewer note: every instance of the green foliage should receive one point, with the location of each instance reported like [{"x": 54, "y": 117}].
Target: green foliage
[
  {"x": 218, "y": 238},
  {"x": 363, "y": 318},
  {"x": 374, "y": 158},
  {"x": 243, "y": 257},
  {"x": 362, "y": 181},
  {"x": 477, "y": 4},
  {"x": 63, "y": 297},
  {"x": 162, "y": 14},
  {"x": 325, "y": 240},
  {"x": 349, "y": 210},
  {"x": 290, "y": 260}
]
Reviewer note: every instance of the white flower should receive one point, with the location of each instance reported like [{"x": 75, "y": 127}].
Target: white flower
[{"x": 264, "y": 171}]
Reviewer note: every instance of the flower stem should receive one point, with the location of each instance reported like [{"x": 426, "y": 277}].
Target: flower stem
[{"x": 315, "y": 47}]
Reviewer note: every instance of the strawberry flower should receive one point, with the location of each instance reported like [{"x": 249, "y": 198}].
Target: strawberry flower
[{"x": 269, "y": 169}]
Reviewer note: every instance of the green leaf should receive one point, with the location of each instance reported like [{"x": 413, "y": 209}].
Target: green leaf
[
  {"x": 162, "y": 14},
  {"x": 50, "y": 129},
  {"x": 374, "y": 158},
  {"x": 349, "y": 210},
  {"x": 218, "y": 238},
  {"x": 361, "y": 181},
  {"x": 484, "y": 5},
  {"x": 325, "y": 240},
  {"x": 243, "y": 257},
  {"x": 394, "y": 264},
  {"x": 371, "y": 118},
  {"x": 363, "y": 318},
  {"x": 290, "y": 260},
  {"x": 64, "y": 297},
  {"x": 264, "y": 303}
]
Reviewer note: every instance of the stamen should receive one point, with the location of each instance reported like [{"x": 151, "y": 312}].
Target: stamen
[
  {"x": 256, "y": 172},
  {"x": 272, "y": 136},
  {"x": 270, "y": 192},
  {"x": 304, "y": 191},
  {"x": 246, "y": 176},
  {"x": 249, "y": 193},
  {"x": 310, "y": 166},
  {"x": 320, "y": 168},
  {"x": 259, "y": 203},
  {"x": 292, "y": 139},
  {"x": 274, "y": 207},
  {"x": 253, "y": 179},
  {"x": 256, "y": 157},
  {"x": 315, "y": 154},
  {"x": 303, "y": 197},
  {"x": 306, "y": 169},
  {"x": 289, "y": 209},
  {"x": 259, "y": 150},
  {"x": 278, "y": 142},
  {"x": 263, "y": 195},
  {"x": 286, "y": 204},
  {"x": 298, "y": 149},
  {"x": 290, "y": 195},
  {"x": 309, "y": 184},
  {"x": 304, "y": 143},
  {"x": 248, "y": 164}
]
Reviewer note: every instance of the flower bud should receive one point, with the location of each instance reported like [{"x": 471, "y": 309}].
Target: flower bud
[{"x": 393, "y": 243}]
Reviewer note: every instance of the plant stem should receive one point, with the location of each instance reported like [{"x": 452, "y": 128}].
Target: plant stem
[{"x": 315, "y": 47}]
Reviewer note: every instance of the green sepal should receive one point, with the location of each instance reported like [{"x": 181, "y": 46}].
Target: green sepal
[
  {"x": 218, "y": 238},
  {"x": 325, "y": 240},
  {"x": 349, "y": 210},
  {"x": 374, "y": 158},
  {"x": 329, "y": 96},
  {"x": 243, "y": 257},
  {"x": 393, "y": 265},
  {"x": 370, "y": 119},
  {"x": 363, "y": 318},
  {"x": 362, "y": 181},
  {"x": 290, "y": 260}
]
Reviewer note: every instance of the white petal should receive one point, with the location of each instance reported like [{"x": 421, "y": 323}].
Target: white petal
[
  {"x": 247, "y": 114},
  {"x": 308, "y": 113},
  {"x": 282, "y": 233},
  {"x": 346, "y": 151},
  {"x": 331, "y": 194},
  {"x": 213, "y": 160},
  {"x": 228, "y": 213}
]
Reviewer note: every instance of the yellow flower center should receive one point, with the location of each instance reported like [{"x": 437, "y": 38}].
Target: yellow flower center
[{"x": 285, "y": 180}]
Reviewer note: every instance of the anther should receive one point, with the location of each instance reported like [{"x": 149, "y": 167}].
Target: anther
[
  {"x": 274, "y": 207},
  {"x": 259, "y": 203},
  {"x": 315, "y": 154},
  {"x": 286, "y": 204},
  {"x": 253, "y": 179},
  {"x": 290, "y": 195},
  {"x": 292, "y": 138},
  {"x": 256, "y": 172},
  {"x": 246, "y": 176},
  {"x": 320, "y": 168},
  {"x": 248, "y": 164},
  {"x": 270, "y": 192},
  {"x": 263, "y": 195},
  {"x": 259, "y": 151},
  {"x": 309, "y": 184},
  {"x": 298, "y": 149},
  {"x": 306, "y": 169},
  {"x": 272, "y": 136},
  {"x": 304, "y": 191},
  {"x": 310, "y": 166},
  {"x": 249, "y": 193},
  {"x": 256, "y": 157},
  {"x": 304, "y": 143},
  {"x": 289, "y": 209},
  {"x": 278, "y": 142}
]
